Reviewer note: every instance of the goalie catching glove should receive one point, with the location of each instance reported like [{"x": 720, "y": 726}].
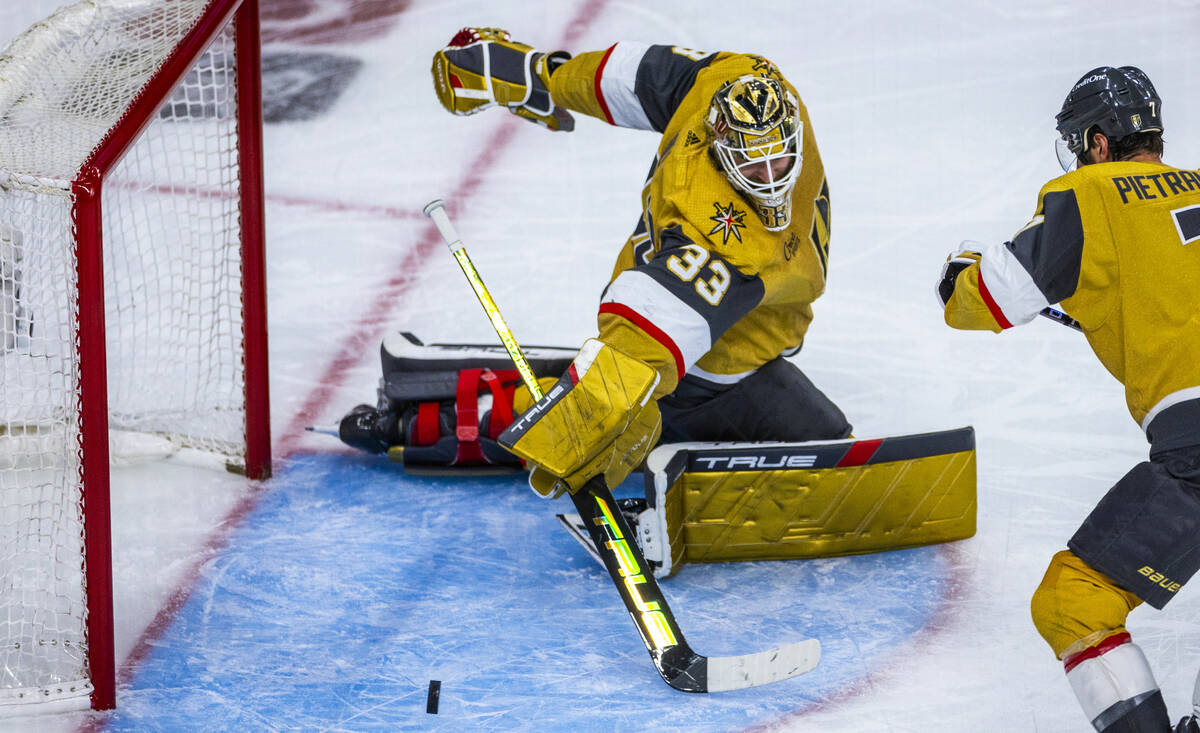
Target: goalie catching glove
[
  {"x": 599, "y": 419},
  {"x": 481, "y": 68}
]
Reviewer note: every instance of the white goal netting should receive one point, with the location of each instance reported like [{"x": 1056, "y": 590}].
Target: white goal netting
[{"x": 172, "y": 279}]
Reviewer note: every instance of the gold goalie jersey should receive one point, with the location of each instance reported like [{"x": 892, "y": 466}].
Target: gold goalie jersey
[
  {"x": 1118, "y": 244},
  {"x": 702, "y": 287}
]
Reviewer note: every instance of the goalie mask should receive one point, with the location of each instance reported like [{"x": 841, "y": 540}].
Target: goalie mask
[{"x": 755, "y": 127}]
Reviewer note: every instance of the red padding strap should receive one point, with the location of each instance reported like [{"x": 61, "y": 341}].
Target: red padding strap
[
  {"x": 466, "y": 410},
  {"x": 466, "y": 414},
  {"x": 426, "y": 430},
  {"x": 502, "y": 413},
  {"x": 499, "y": 425}
]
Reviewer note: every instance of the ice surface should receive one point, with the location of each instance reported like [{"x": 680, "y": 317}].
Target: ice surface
[{"x": 328, "y": 598}]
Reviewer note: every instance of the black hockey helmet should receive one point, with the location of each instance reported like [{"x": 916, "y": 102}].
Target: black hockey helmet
[{"x": 1120, "y": 101}]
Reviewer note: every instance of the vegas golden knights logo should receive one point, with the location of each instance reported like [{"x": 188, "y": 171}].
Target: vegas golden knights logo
[{"x": 729, "y": 221}]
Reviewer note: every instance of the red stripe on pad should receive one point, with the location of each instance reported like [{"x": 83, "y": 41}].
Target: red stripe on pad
[
  {"x": 860, "y": 453},
  {"x": 596, "y": 85},
  {"x": 991, "y": 304},
  {"x": 653, "y": 331},
  {"x": 1092, "y": 652}
]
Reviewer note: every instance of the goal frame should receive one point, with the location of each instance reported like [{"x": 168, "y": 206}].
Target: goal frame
[{"x": 86, "y": 216}]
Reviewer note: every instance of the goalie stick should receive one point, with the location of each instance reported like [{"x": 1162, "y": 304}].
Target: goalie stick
[{"x": 680, "y": 667}]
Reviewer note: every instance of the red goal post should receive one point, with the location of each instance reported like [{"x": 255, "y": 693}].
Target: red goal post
[{"x": 132, "y": 297}]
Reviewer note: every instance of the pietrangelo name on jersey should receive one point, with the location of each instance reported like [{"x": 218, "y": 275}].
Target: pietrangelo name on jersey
[{"x": 1156, "y": 185}]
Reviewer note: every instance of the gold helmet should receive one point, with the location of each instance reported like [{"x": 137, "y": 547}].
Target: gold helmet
[{"x": 755, "y": 127}]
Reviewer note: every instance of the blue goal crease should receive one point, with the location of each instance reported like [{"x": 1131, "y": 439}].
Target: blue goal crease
[{"x": 353, "y": 585}]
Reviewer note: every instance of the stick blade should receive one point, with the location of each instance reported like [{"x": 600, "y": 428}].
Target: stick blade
[{"x": 773, "y": 665}]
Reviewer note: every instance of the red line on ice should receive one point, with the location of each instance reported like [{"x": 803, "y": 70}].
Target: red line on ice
[{"x": 956, "y": 591}]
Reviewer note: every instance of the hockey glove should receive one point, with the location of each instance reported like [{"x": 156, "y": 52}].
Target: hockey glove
[
  {"x": 482, "y": 68},
  {"x": 955, "y": 263},
  {"x": 599, "y": 419}
]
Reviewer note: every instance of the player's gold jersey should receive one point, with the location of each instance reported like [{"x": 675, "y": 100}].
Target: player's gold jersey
[
  {"x": 702, "y": 286},
  {"x": 1118, "y": 244}
]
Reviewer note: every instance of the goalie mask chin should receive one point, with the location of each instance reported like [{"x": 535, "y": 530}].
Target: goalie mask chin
[{"x": 755, "y": 128}]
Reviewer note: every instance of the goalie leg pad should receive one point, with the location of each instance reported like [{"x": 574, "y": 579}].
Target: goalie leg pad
[
  {"x": 780, "y": 501},
  {"x": 435, "y": 436},
  {"x": 414, "y": 371},
  {"x": 441, "y": 406}
]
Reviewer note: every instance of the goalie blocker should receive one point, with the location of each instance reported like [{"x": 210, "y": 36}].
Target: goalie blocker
[{"x": 723, "y": 502}]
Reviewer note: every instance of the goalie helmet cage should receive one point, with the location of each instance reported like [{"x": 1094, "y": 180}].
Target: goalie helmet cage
[{"x": 132, "y": 296}]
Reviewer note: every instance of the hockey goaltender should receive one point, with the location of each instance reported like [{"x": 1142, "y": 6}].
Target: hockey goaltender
[{"x": 710, "y": 298}]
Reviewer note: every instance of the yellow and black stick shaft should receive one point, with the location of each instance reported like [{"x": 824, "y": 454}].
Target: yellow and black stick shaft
[
  {"x": 436, "y": 210},
  {"x": 676, "y": 662},
  {"x": 679, "y": 666}
]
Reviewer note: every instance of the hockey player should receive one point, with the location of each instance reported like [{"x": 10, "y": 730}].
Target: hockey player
[
  {"x": 709, "y": 295},
  {"x": 1117, "y": 241}
]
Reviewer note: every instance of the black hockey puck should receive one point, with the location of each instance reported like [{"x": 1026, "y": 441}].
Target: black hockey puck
[{"x": 431, "y": 702}]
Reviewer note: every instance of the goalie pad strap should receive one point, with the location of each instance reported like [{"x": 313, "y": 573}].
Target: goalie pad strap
[
  {"x": 466, "y": 410},
  {"x": 425, "y": 428},
  {"x": 502, "y": 414}
]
